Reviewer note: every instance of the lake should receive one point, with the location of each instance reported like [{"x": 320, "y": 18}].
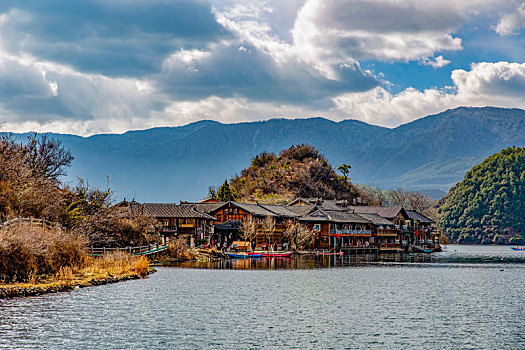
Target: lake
[{"x": 465, "y": 297}]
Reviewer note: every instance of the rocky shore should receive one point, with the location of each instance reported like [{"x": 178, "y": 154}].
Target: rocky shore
[{"x": 15, "y": 290}]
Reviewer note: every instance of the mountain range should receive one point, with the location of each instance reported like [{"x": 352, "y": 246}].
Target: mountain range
[{"x": 169, "y": 164}]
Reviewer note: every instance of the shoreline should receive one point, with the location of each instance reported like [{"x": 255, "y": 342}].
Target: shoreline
[{"x": 21, "y": 290}]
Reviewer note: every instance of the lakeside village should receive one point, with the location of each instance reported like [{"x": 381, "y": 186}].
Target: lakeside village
[{"x": 320, "y": 226}]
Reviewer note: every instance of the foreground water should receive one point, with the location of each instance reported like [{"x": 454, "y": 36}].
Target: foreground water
[{"x": 464, "y": 297}]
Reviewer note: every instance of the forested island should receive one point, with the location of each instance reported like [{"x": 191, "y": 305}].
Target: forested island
[{"x": 488, "y": 206}]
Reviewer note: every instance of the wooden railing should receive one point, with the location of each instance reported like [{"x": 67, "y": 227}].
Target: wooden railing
[
  {"x": 31, "y": 222},
  {"x": 387, "y": 232},
  {"x": 141, "y": 250},
  {"x": 350, "y": 232},
  {"x": 389, "y": 246}
]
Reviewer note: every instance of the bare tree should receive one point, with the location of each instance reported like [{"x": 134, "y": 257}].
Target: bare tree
[
  {"x": 249, "y": 230},
  {"x": 398, "y": 196},
  {"x": 297, "y": 234},
  {"x": 46, "y": 157},
  {"x": 411, "y": 200},
  {"x": 420, "y": 202},
  {"x": 268, "y": 228},
  {"x": 371, "y": 195}
]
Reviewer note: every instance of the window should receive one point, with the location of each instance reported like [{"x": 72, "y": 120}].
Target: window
[
  {"x": 317, "y": 227},
  {"x": 187, "y": 222}
]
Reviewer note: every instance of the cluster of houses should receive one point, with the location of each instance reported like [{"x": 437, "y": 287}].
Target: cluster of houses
[{"x": 336, "y": 224}]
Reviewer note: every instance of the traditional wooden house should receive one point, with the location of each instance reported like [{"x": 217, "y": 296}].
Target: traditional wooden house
[
  {"x": 382, "y": 229},
  {"x": 424, "y": 233},
  {"x": 336, "y": 229},
  {"x": 259, "y": 214},
  {"x": 388, "y": 238},
  {"x": 175, "y": 220}
]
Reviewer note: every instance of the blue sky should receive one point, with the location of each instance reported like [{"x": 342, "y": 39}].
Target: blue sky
[{"x": 98, "y": 66}]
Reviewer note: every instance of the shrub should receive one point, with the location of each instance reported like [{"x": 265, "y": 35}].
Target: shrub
[{"x": 27, "y": 252}]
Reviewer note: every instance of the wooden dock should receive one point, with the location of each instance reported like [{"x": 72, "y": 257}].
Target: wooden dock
[
  {"x": 141, "y": 250},
  {"x": 360, "y": 250}
]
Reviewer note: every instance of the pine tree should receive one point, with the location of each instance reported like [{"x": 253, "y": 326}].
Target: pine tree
[{"x": 225, "y": 193}]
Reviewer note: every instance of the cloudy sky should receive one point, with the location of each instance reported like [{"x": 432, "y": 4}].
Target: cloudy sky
[{"x": 97, "y": 66}]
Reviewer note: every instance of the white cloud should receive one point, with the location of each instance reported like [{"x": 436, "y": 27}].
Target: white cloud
[
  {"x": 38, "y": 96},
  {"x": 327, "y": 30},
  {"x": 500, "y": 84},
  {"x": 437, "y": 62},
  {"x": 511, "y": 23}
]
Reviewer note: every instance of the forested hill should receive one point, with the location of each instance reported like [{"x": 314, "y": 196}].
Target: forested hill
[
  {"x": 488, "y": 206},
  {"x": 172, "y": 164},
  {"x": 299, "y": 171}
]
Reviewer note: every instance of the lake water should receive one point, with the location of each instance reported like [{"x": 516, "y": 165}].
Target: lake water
[{"x": 465, "y": 297}]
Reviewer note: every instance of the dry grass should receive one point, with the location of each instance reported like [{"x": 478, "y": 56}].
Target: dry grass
[
  {"x": 35, "y": 255},
  {"x": 27, "y": 253},
  {"x": 178, "y": 249},
  {"x": 115, "y": 264}
]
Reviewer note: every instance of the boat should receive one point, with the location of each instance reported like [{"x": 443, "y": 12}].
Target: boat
[
  {"x": 519, "y": 249},
  {"x": 419, "y": 249},
  {"x": 272, "y": 254},
  {"x": 243, "y": 255}
]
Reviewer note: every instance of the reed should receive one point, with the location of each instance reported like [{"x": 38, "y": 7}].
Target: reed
[{"x": 30, "y": 254}]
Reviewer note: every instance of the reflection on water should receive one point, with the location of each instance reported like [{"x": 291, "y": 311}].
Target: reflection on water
[
  {"x": 452, "y": 255},
  {"x": 466, "y": 297}
]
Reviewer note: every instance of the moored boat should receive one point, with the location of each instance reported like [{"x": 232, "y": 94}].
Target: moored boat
[
  {"x": 272, "y": 254},
  {"x": 519, "y": 249},
  {"x": 243, "y": 255}
]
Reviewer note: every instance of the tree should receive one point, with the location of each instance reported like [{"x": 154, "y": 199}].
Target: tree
[
  {"x": 268, "y": 228},
  {"x": 212, "y": 193},
  {"x": 225, "y": 193},
  {"x": 371, "y": 195},
  {"x": 249, "y": 230},
  {"x": 297, "y": 234},
  {"x": 344, "y": 169},
  {"x": 411, "y": 200},
  {"x": 46, "y": 157}
]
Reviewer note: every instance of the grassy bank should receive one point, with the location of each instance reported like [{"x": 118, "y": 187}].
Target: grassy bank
[
  {"x": 34, "y": 261},
  {"x": 109, "y": 268}
]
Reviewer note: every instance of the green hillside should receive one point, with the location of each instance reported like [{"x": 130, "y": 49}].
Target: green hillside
[
  {"x": 488, "y": 206},
  {"x": 299, "y": 171}
]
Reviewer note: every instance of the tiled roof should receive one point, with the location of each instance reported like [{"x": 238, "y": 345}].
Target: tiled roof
[
  {"x": 281, "y": 210},
  {"x": 415, "y": 215},
  {"x": 207, "y": 208},
  {"x": 168, "y": 210},
  {"x": 376, "y": 219},
  {"x": 254, "y": 209},
  {"x": 386, "y": 212},
  {"x": 301, "y": 210},
  {"x": 335, "y": 216}
]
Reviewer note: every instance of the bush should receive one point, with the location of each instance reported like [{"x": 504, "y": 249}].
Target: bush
[
  {"x": 517, "y": 240},
  {"x": 28, "y": 252}
]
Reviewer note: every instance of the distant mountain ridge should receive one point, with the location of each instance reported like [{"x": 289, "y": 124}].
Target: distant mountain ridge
[{"x": 169, "y": 164}]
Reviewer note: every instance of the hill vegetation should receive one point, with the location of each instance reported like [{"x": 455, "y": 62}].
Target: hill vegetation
[
  {"x": 299, "y": 171},
  {"x": 488, "y": 206}
]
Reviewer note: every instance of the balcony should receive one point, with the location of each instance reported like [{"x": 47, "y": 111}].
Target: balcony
[
  {"x": 390, "y": 246},
  {"x": 350, "y": 232},
  {"x": 387, "y": 232}
]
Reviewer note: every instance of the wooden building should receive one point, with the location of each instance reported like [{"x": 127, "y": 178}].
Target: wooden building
[
  {"x": 258, "y": 213},
  {"x": 336, "y": 229},
  {"x": 425, "y": 235},
  {"x": 175, "y": 220}
]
